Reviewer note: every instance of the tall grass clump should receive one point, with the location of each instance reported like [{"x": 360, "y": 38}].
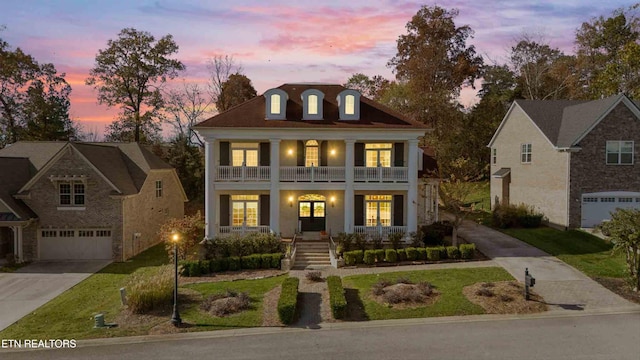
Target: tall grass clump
[{"x": 150, "y": 289}]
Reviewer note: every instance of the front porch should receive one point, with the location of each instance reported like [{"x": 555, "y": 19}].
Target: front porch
[{"x": 245, "y": 173}]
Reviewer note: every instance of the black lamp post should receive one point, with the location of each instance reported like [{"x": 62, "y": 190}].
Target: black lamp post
[{"x": 175, "y": 318}]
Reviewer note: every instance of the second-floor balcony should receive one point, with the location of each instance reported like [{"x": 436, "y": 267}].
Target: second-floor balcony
[{"x": 311, "y": 174}]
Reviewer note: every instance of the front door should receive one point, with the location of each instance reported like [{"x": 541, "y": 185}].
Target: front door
[{"x": 312, "y": 215}]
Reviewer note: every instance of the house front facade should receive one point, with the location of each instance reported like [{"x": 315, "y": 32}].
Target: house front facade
[
  {"x": 310, "y": 158},
  {"x": 575, "y": 161},
  {"x": 79, "y": 201}
]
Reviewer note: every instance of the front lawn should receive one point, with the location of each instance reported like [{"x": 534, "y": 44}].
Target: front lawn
[
  {"x": 449, "y": 283},
  {"x": 587, "y": 253}
]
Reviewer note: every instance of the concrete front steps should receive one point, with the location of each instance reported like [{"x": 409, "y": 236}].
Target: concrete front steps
[{"x": 312, "y": 255}]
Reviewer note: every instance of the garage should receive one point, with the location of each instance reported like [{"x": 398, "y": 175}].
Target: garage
[
  {"x": 75, "y": 244},
  {"x": 597, "y": 207}
]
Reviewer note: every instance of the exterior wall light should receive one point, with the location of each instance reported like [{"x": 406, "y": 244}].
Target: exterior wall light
[
  {"x": 333, "y": 201},
  {"x": 290, "y": 151},
  {"x": 333, "y": 151},
  {"x": 290, "y": 201}
]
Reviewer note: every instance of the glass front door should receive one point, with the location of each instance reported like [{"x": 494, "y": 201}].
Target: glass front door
[{"x": 312, "y": 215}]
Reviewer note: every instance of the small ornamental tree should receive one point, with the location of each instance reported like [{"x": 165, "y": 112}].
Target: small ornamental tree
[
  {"x": 624, "y": 231},
  {"x": 191, "y": 232}
]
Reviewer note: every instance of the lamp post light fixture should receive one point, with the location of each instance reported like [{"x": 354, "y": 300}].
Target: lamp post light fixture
[{"x": 175, "y": 318}]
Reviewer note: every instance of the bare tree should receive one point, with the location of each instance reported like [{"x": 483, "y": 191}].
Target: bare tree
[
  {"x": 220, "y": 68},
  {"x": 186, "y": 107}
]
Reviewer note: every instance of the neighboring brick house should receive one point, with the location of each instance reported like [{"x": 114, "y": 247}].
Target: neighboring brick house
[
  {"x": 306, "y": 158},
  {"x": 65, "y": 200},
  {"x": 575, "y": 161}
]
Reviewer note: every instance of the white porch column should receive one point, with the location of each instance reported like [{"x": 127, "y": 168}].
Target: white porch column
[
  {"x": 412, "y": 194},
  {"x": 210, "y": 204},
  {"x": 274, "y": 198},
  {"x": 349, "y": 168}
]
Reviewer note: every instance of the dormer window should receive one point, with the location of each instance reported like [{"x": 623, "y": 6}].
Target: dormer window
[
  {"x": 275, "y": 104},
  {"x": 349, "y": 103},
  {"x": 312, "y": 104}
]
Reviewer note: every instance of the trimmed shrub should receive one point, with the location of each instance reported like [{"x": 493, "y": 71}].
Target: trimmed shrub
[
  {"x": 379, "y": 255},
  {"x": 369, "y": 257},
  {"x": 337, "y": 300},
  {"x": 205, "y": 267},
  {"x": 275, "y": 260},
  {"x": 222, "y": 264},
  {"x": 150, "y": 289},
  {"x": 433, "y": 253},
  {"x": 288, "y": 300},
  {"x": 467, "y": 251},
  {"x": 443, "y": 252},
  {"x": 234, "y": 263},
  {"x": 453, "y": 252},
  {"x": 402, "y": 254},
  {"x": 422, "y": 253},
  {"x": 349, "y": 258},
  {"x": 251, "y": 261},
  {"x": 265, "y": 261},
  {"x": 195, "y": 269},
  {"x": 391, "y": 256},
  {"x": 359, "y": 254},
  {"x": 412, "y": 253}
]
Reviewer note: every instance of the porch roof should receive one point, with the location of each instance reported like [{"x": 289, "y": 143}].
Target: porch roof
[{"x": 501, "y": 173}]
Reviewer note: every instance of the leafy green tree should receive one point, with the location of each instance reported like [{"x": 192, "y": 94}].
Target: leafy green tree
[
  {"x": 236, "y": 90},
  {"x": 130, "y": 73},
  {"x": 624, "y": 231},
  {"x": 373, "y": 87},
  {"x": 125, "y": 127},
  {"x": 188, "y": 160}
]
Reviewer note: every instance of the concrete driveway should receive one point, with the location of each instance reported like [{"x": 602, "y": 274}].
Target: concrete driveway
[{"x": 36, "y": 284}]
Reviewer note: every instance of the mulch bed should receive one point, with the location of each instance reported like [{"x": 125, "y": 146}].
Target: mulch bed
[
  {"x": 507, "y": 298},
  {"x": 232, "y": 276}
]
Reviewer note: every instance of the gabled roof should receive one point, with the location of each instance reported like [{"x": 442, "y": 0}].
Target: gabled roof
[
  {"x": 123, "y": 165},
  {"x": 14, "y": 173},
  {"x": 251, "y": 113},
  {"x": 565, "y": 122}
]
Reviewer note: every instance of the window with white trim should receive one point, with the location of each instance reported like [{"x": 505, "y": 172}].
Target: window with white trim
[
  {"x": 275, "y": 101},
  {"x": 625, "y": 199},
  {"x": 350, "y": 105},
  {"x": 525, "y": 153},
  {"x": 620, "y": 152},
  {"x": 494, "y": 156},
  {"x": 71, "y": 193},
  {"x": 378, "y": 154},
  {"x": 311, "y": 153},
  {"x": 85, "y": 233},
  {"x": 158, "y": 188},
  {"x": 590, "y": 199},
  {"x": 378, "y": 210},
  {"x": 244, "y": 210},
  {"x": 312, "y": 104},
  {"x": 244, "y": 154},
  {"x": 275, "y": 104},
  {"x": 103, "y": 233},
  {"x": 49, "y": 233},
  {"x": 608, "y": 199},
  {"x": 67, "y": 233}
]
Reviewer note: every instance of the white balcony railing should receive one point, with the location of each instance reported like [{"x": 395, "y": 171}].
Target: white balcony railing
[
  {"x": 243, "y": 173},
  {"x": 243, "y": 229},
  {"x": 381, "y": 174},
  {"x": 312, "y": 173},
  {"x": 379, "y": 231}
]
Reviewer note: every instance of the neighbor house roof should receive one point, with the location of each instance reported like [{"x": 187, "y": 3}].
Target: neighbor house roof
[
  {"x": 125, "y": 165},
  {"x": 564, "y": 122},
  {"x": 14, "y": 173},
  {"x": 251, "y": 113}
]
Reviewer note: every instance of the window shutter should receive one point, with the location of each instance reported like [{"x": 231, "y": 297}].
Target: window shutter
[
  {"x": 358, "y": 210},
  {"x": 398, "y": 210},
  {"x": 264, "y": 210},
  {"x": 224, "y": 210},
  {"x": 359, "y": 154},
  {"x": 224, "y": 153},
  {"x": 324, "y": 153},
  {"x": 398, "y": 158},
  {"x": 300, "y": 153},
  {"x": 265, "y": 154}
]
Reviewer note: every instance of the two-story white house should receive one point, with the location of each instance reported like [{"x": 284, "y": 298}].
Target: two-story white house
[{"x": 314, "y": 157}]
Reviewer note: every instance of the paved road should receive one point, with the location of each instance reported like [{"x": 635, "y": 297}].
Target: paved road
[
  {"x": 484, "y": 337},
  {"x": 563, "y": 287},
  {"x": 36, "y": 284}
]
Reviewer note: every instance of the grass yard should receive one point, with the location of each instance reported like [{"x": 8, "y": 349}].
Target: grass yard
[
  {"x": 449, "y": 283},
  {"x": 481, "y": 195},
  {"x": 250, "y": 318},
  {"x": 585, "y": 252}
]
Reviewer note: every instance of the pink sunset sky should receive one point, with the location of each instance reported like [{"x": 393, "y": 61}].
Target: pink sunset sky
[{"x": 274, "y": 41}]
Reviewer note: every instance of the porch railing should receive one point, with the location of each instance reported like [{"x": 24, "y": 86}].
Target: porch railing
[
  {"x": 243, "y": 229},
  {"x": 243, "y": 173},
  {"x": 381, "y": 231},
  {"x": 312, "y": 173},
  {"x": 381, "y": 174}
]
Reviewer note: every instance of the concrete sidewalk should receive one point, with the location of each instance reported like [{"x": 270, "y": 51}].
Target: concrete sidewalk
[{"x": 563, "y": 287}]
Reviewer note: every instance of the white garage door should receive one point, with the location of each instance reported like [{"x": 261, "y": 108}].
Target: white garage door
[
  {"x": 75, "y": 244},
  {"x": 597, "y": 207}
]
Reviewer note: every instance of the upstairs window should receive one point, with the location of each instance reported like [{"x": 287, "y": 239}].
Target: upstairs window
[
  {"x": 312, "y": 104},
  {"x": 525, "y": 153},
  {"x": 244, "y": 154},
  {"x": 71, "y": 193},
  {"x": 311, "y": 153},
  {"x": 620, "y": 152},
  {"x": 349, "y": 104},
  {"x": 158, "y": 188},
  {"x": 378, "y": 154},
  {"x": 494, "y": 156},
  {"x": 275, "y": 104}
]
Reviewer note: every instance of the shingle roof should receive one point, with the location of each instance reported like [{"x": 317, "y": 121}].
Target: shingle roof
[
  {"x": 251, "y": 114},
  {"x": 563, "y": 122},
  {"x": 14, "y": 173}
]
